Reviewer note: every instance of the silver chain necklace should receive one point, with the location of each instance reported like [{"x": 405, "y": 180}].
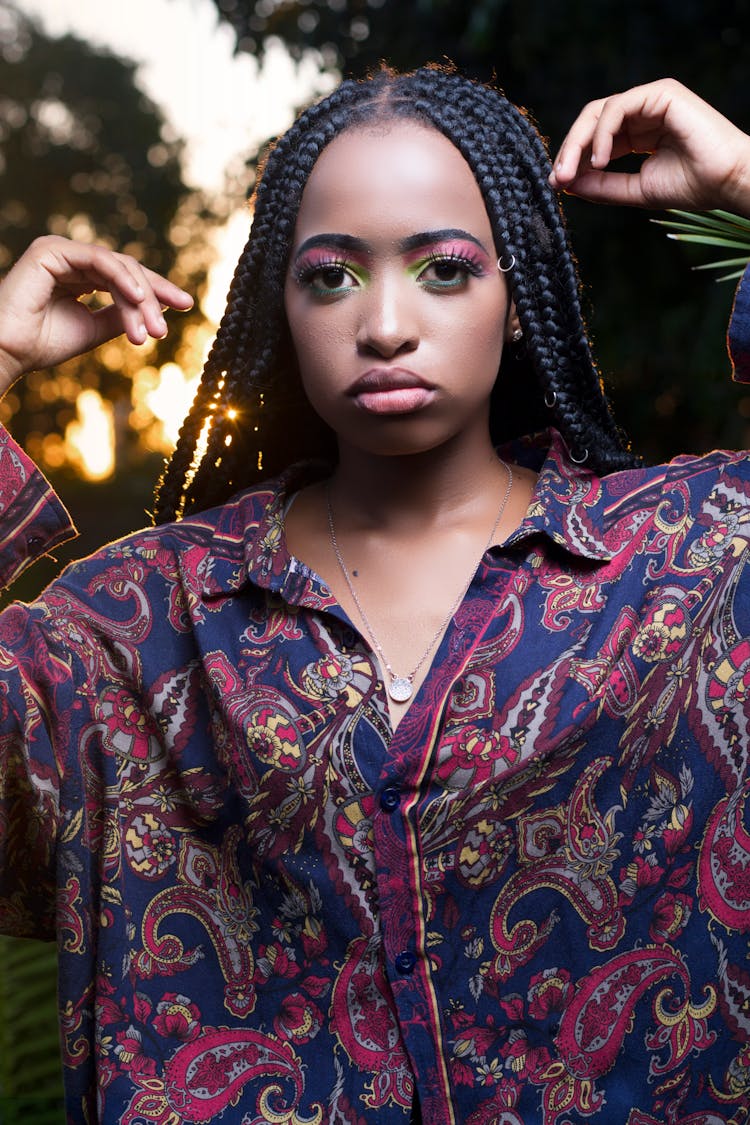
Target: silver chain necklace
[{"x": 401, "y": 688}]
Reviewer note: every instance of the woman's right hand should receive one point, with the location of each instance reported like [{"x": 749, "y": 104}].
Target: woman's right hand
[{"x": 43, "y": 323}]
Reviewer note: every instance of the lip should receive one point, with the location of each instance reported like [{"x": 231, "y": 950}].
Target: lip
[
  {"x": 386, "y": 379},
  {"x": 391, "y": 390}
]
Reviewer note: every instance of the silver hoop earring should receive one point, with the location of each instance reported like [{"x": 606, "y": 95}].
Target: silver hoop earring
[
  {"x": 580, "y": 460},
  {"x": 550, "y": 399},
  {"x": 517, "y": 336},
  {"x": 506, "y": 269}
]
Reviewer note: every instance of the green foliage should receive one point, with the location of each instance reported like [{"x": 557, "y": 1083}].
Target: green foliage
[
  {"x": 658, "y": 327},
  {"x": 30, "y": 1075},
  {"x": 713, "y": 228}
]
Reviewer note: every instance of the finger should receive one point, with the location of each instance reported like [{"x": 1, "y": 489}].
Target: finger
[
  {"x": 142, "y": 318},
  {"x": 112, "y": 321},
  {"x": 629, "y": 122},
  {"x": 597, "y": 140},
  {"x": 167, "y": 292},
  {"x": 624, "y": 188},
  {"x": 128, "y": 282},
  {"x": 632, "y": 121},
  {"x": 139, "y": 294},
  {"x": 97, "y": 326},
  {"x": 87, "y": 328},
  {"x": 70, "y": 264},
  {"x": 160, "y": 294},
  {"x": 574, "y": 152},
  {"x": 132, "y": 320},
  {"x": 146, "y": 316}
]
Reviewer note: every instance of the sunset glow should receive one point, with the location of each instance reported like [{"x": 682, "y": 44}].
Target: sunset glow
[
  {"x": 161, "y": 399},
  {"x": 90, "y": 438}
]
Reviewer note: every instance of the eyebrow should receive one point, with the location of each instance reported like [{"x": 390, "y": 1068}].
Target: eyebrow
[
  {"x": 404, "y": 246},
  {"x": 428, "y": 237}
]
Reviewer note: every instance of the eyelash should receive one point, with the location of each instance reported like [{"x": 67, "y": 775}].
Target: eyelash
[
  {"x": 452, "y": 258},
  {"x": 306, "y": 274}
]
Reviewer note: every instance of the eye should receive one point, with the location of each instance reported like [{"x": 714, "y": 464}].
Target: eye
[
  {"x": 327, "y": 278},
  {"x": 446, "y": 272}
]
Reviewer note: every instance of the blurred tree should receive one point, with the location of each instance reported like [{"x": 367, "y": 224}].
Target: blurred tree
[
  {"x": 656, "y": 326},
  {"x": 84, "y": 153},
  {"x": 106, "y": 155}
]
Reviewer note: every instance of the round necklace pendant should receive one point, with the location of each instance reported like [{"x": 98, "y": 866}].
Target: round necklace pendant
[{"x": 400, "y": 689}]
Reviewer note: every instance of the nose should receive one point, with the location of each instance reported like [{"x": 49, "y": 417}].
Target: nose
[{"x": 389, "y": 324}]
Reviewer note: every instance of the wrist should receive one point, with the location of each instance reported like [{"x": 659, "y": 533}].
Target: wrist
[
  {"x": 10, "y": 370},
  {"x": 736, "y": 189}
]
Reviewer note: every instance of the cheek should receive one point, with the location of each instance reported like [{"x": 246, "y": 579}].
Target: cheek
[
  {"x": 321, "y": 349},
  {"x": 482, "y": 340},
  {"x": 319, "y": 338},
  {"x": 490, "y": 337}
]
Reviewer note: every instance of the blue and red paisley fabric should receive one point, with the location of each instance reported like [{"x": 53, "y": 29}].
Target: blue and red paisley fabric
[{"x": 531, "y": 903}]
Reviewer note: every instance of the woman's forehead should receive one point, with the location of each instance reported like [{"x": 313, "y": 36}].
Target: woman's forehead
[{"x": 399, "y": 175}]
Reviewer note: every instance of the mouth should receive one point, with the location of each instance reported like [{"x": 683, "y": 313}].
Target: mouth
[
  {"x": 391, "y": 390},
  {"x": 388, "y": 379}
]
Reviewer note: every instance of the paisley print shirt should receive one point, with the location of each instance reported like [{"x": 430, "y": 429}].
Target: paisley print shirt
[{"x": 531, "y": 904}]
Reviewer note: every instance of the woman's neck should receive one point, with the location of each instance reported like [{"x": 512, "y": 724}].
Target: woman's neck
[{"x": 419, "y": 490}]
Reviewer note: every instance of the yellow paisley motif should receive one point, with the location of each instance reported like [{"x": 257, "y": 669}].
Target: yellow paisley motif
[
  {"x": 284, "y": 1116},
  {"x": 687, "y": 1011}
]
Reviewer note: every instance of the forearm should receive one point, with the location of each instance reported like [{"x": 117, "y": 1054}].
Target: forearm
[{"x": 32, "y": 518}]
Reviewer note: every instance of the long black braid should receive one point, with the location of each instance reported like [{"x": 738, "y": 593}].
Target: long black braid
[{"x": 250, "y": 390}]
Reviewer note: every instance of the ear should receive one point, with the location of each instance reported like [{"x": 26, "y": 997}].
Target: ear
[{"x": 512, "y": 324}]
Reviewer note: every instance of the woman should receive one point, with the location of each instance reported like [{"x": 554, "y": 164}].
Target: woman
[{"x": 412, "y": 778}]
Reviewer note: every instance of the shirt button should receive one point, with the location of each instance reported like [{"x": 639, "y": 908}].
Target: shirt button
[
  {"x": 33, "y": 543},
  {"x": 390, "y": 798},
  {"x": 405, "y": 962}
]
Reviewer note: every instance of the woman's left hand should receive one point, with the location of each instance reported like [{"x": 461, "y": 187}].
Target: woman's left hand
[{"x": 697, "y": 158}]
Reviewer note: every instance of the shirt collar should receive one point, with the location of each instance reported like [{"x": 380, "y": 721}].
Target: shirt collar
[
  {"x": 248, "y": 544},
  {"x": 568, "y": 502}
]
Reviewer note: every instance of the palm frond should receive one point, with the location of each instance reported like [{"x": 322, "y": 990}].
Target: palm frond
[{"x": 712, "y": 228}]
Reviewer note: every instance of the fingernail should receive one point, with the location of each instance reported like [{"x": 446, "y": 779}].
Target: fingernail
[
  {"x": 139, "y": 292},
  {"x": 161, "y": 324}
]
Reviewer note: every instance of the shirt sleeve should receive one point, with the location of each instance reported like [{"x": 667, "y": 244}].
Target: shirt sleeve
[
  {"x": 738, "y": 338},
  {"x": 32, "y": 518},
  {"x": 35, "y": 689}
]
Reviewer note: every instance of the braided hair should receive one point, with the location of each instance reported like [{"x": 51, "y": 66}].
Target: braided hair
[{"x": 250, "y": 417}]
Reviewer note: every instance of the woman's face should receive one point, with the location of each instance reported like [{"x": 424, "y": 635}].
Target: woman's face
[{"x": 395, "y": 304}]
